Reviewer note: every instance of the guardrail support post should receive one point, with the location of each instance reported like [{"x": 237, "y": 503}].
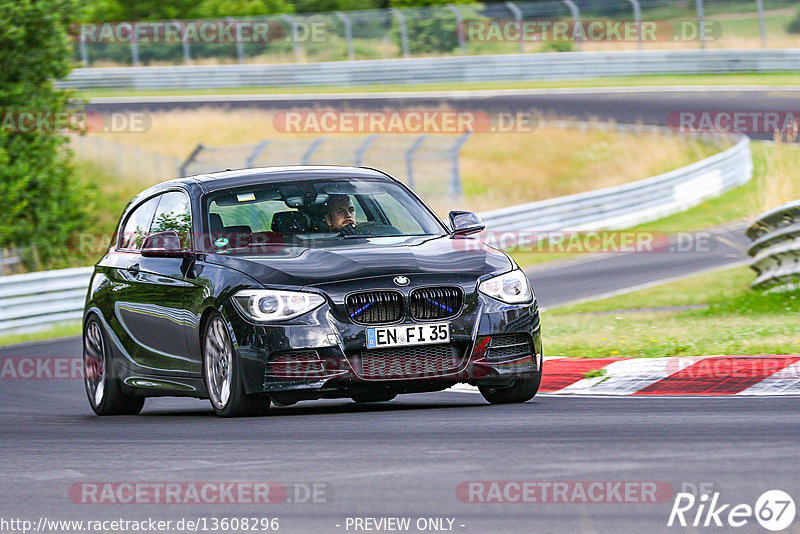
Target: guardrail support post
[
  {"x": 701, "y": 23},
  {"x": 310, "y": 152},
  {"x": 189, "y": 160},
  {"x": 256, "y": 152},
  {"x": 459, "y": 27},
  {"x": 401, "y": 20},
  {"x": 455, "y": 176},
  {"x": 348, "y": 33},
  {"x": 761, "y": 25},
  {"x": 410, "y": 159},
  {"x": 363, "y": 148},
  {"x": 517, "y": 12},
  {"x": 637, "y": 17},
  {"x": 295, "y": 38},
  {"x": 576, "y": 20}
]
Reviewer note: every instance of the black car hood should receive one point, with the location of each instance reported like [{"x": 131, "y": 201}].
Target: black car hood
[{"x": 362, "y": 258}]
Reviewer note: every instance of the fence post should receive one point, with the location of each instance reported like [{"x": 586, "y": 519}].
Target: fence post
[
  {"x": 401, "y": 19},
  {"x": 310, "y": 152},
  {"x": 295, "y": 39},
  {"x": 84, "y": 52},
  {"x": 517, "y": 12},
  {"x": 455, "y": 177},
  {"x": 459, "y": 27},
  {"x": 363, "y": 148},
  {"x": 256, "y": 152},
  {"x": 134, "y": 44},
  {"x": 701, "y": 23},
  {"x": 189, "y": 160},
  {"x": 348, "y": 33},
  {"x": 410, "y": 159},
  {"x": 576, "y": 19},
  {"x": 187, "y": 55},
  {"x": 637, "y": 17},
  {"x": 761, "y": 24},
  {"x": 239, "y": 44},
  {"x": 2, "y": 263}
]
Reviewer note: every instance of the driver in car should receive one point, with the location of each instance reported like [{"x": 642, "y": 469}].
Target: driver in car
[{"x": 340, "y": 214}]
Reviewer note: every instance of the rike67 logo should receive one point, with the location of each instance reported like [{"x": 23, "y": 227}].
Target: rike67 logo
[{"x": 774, "y": 510}]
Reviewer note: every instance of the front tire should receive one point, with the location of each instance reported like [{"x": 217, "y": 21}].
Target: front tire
[
  {"x": 102, "y": 388},
  {"x": 222, "y": 373},
  {"x": 522, "y": 389}
]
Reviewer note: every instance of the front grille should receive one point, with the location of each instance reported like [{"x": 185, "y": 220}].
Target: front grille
[
  {"x": 408, "y": 362},
  {"x": 435, "y": 302},
  {"x": 375, "y": 307},
  {"x": 509, "y": 347},
  {"x": 295, "y": 364}
]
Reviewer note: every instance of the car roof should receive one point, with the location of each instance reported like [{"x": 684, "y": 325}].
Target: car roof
[{"x": 244, "y": 177}]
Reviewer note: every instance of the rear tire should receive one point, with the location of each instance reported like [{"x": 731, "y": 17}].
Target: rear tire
[
  {"x": 521, "y": 390},
  {"x": 373, "y": 396},
  {"x": 222, "y": 373},
  {"x": 103, "y": 388}
]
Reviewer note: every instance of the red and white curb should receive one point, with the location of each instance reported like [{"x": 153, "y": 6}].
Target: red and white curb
[{"x": 705, "y": 375}]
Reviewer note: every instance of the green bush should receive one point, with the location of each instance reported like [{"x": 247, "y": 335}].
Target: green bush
[
  {"x": 43, "y": 203},
  {"x": 434, "y": 29},
  {"x": 794, "y": 25}
]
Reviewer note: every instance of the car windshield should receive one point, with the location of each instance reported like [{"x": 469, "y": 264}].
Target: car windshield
[{"x": 313, "y": 213}]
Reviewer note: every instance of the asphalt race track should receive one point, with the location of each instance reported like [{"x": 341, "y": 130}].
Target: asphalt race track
[
  {"x": 406, "y": 458},
  {"x": 646, "y": 105}
]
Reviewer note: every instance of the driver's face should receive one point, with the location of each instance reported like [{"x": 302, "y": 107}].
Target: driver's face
[{"x": 340, "y": 213}]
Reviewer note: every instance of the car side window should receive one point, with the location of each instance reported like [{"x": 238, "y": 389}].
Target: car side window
[
  {"x": 174, "y": 213},
  {"x": 137, "y": 225}
]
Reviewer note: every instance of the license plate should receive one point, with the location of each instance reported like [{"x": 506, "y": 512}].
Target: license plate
[{"x": 409, "y": 334}]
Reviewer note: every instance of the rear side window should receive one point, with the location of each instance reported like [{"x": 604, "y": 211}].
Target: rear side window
[
  {"x": 137, "y": 226},
  {"x": 173, "y": 213}
]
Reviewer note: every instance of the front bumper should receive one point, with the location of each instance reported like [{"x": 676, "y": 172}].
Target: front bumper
[{"x": 319, "y": 355}]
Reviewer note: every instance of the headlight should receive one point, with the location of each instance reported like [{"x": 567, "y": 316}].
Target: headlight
[
  {"x": 272, "y": 305},
  {"x": 511, "y": 288}
]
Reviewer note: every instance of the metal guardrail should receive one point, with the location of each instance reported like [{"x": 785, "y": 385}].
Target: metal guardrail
[
  {"x": 776, "y": 248},
  {"x": 541, "y": 66},
  {"x": 38, "y": 300}
]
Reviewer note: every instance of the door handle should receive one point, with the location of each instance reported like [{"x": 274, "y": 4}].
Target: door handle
[{"x": 134, "y": 269}]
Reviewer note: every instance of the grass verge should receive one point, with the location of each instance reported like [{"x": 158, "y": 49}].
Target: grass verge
[
  {"x": 66, "y": 330},
  {"x": 733, "y": 319},
  {"x": 775, "y": 167}
]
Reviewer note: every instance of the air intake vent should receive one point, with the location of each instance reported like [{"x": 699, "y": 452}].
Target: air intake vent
[
  {"x": 375, "y": 307},
  {"x": 435, "y": 302}
]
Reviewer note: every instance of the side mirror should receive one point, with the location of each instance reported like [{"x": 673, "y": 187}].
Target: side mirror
[
  {"x": 163, "y": 245},
  {"x": 465, "y": 222}
]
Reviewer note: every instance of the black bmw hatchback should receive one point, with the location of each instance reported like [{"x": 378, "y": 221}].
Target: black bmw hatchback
[{"x": 275, "y": 285}]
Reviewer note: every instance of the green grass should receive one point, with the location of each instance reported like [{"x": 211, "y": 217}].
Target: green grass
[
  {"x": 788, "y": 79},
  {"x": 736, "y": 320},
  {"x": 66, "y": 330},
  {"x": 741, "y": 203}
]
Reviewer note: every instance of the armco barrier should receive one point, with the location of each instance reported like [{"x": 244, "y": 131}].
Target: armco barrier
[
  {"x": 538, "y": 66},
  {"x": 776, "y": 248},
  {"x": 38, "y": 300}
]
